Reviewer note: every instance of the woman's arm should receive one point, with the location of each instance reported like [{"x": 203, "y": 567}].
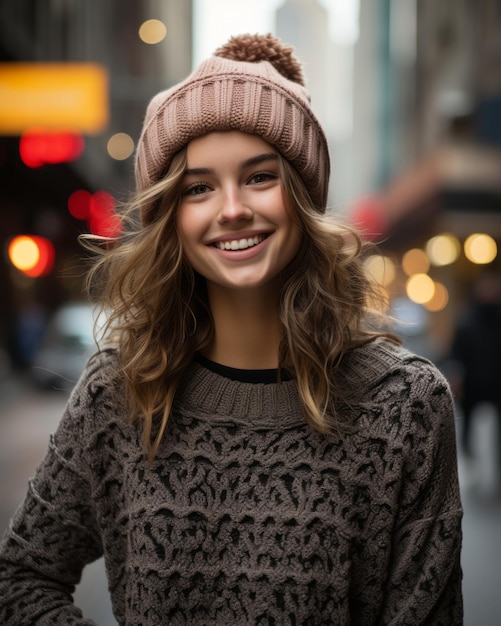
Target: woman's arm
[
  {"x": 54, "y": 534},
  {"x": 424, "y": 582}
]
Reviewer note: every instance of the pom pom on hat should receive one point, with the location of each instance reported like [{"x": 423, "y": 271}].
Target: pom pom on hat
[
  {"x": 253, "y": 84},
  {"x": 255, "y": 48}
]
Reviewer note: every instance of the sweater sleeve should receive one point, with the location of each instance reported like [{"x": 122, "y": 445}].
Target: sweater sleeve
[
  {"x": 54, "y": 533},
  {"x": 424, "y": 582}
]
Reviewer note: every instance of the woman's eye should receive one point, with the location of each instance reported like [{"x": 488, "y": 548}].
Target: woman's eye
[
  {"x": 262, "y": 177},
  {"x": 197, "y": 189}
]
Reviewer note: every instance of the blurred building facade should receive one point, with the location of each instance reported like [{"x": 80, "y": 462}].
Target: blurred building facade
[
  {"x": 34, "y": 200},
  {"x": 428, "y": 116}
]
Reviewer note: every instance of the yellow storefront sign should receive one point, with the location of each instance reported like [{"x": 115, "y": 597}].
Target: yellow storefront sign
[{"x": 69, "y": 96}]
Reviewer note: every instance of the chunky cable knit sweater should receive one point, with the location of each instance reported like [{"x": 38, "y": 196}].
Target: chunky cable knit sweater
[{"x": 247, "y": 516}]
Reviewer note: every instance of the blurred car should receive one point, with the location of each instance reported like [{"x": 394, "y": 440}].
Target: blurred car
[{"x": 65, "y": 347}]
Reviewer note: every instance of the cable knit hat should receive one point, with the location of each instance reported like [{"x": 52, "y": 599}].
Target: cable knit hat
[{"x": 253, "y": 84}]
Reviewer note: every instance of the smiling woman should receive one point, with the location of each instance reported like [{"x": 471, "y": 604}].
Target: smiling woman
[
  {"x": 232, "y": 221},
  {"x": 248, "y": 446}
]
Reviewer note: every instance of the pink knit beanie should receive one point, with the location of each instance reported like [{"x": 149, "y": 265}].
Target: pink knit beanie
[{"x": 253, "y": 84}]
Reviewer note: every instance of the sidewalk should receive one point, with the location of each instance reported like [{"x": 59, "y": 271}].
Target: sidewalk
[{"x": 481, "y": 495}]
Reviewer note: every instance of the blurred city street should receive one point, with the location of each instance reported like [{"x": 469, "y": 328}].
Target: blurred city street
[
  {"x": 27, "y": 416},
  {"x": 409, "y": 95}
]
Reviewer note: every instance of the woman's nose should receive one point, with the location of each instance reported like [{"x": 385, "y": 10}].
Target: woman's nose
[{"x": 234, "y": 207}]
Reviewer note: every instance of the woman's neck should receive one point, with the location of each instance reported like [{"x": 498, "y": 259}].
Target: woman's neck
[{"x": 247, "y": 329}]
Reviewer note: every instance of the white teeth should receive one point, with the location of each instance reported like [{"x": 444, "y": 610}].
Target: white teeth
[{"x": 240, "y": 244}]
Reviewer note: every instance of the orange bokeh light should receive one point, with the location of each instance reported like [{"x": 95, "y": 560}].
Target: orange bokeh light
[{"x": 32, "y": 255}]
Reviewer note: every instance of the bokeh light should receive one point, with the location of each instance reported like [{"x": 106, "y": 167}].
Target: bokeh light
[
  {"x": 98, "y": 210},
  {"x": 367, "y": 216},
  {"x": 39, "y": 147},
  {"x": 23, "y": 253},
  {"x": 103, "y": 220},
  {"x": 439, "y": 300},
  {"x": 381, "y": 268},
  {"x": 31, "y": 255},
  {"x": 443, "y": 249},
  {"x": 420, "y": 288},
  {"x": 480, "y": 248},
  {"x": 120, "y": 146},
  {"x": 79, "y": 204},
  {"x": 415, "y": 261},
  {"x": 152, "y": 31}
]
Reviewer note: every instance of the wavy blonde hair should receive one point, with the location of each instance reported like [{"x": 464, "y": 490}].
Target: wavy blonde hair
[{"x": 158, "y": 315}]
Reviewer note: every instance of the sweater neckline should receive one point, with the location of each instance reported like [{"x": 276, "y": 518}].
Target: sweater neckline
[
  {"x": 206, "y": 394},
  {"x": 260, "y": 376},
  {"x": 203, "y": 392}
]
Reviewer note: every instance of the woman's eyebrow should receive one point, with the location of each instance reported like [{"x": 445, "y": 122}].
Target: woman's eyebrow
[
  {"x": 255, "y": 160},
  {"x": 197, "y": 171}
]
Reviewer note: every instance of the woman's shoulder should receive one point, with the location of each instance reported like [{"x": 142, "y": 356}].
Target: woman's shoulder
[
  {"x": 102, "y": 365},
  {"x": 101, "y": 370},
  {"x": 380, "y": 360},
  {"x": 95, "y": 407},
  {"x": 398, "y": 393},
  {"x": 100, "y": 385}
]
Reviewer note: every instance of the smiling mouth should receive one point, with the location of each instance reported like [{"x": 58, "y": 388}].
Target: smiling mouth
[{"x": 240, "y": 244}]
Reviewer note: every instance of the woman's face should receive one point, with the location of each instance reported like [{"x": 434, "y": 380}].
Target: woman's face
[{"x": 232, "y": 221}]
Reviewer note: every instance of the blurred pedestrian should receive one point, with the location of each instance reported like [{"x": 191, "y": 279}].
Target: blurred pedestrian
[
  {"x": 248, "y": 447},
  {"x": 475, "y": 359}
]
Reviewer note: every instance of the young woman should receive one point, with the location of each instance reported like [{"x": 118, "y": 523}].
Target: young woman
[{"x": 246, "y": 448}]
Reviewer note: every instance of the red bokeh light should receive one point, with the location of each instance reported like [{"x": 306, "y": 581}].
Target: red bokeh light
[
  {"x": 38, "y": 147},
  {"x": 103, "y": 219},
  {"x": 98, "y": 210},
  {"x": 368, "y": 216},
  {"x": 79, "y": 204}
]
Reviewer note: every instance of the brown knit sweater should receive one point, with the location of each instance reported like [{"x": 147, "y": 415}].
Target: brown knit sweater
[{"x": 247, "y": 516}]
